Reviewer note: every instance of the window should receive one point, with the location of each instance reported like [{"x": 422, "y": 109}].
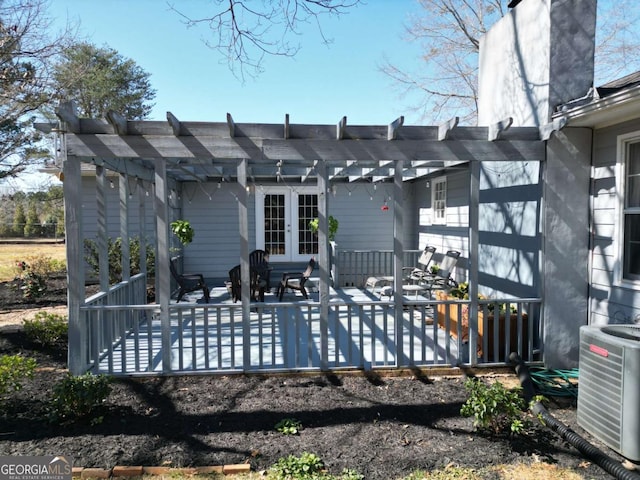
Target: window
[
  {"x": 630, "y": 150},
  {"x": 439, "y": 201}
]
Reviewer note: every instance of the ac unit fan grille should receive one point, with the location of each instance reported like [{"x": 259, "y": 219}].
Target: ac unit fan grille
[{"x": 600, "y": 393}]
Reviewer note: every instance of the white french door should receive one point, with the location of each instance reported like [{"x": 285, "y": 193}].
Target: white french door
[{"x": 282, "y": 222}]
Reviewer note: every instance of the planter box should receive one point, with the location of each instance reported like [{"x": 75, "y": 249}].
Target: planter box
[{"x": 486, "y": 327}]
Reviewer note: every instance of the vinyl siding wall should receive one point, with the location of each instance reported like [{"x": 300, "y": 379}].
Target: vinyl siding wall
[
  {"x": 454, "y": 233},
  {"x": 610, "y": 301}
]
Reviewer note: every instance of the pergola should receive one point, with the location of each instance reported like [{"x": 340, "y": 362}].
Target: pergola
[{"x": 163, "y": 152}]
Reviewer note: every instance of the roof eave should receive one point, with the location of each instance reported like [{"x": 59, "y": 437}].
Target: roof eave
[{"x": 616, "y": 108}]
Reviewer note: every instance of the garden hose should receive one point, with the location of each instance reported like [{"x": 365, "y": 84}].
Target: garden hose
[
  {"x": 555, "y": 383},
  {"x": 607, "y": 463}
]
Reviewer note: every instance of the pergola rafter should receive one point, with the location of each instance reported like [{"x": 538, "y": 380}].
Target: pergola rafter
[
  {"x": 173, "y": 151},
  {"x": 350, "y": 152}
]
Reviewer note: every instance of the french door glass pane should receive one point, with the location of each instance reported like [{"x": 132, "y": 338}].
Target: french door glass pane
[
  {"x": 274, "y": 223},
  {"x": 307, "y": 211}
]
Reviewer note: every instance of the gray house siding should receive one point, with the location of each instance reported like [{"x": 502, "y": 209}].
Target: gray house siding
[
  {"x": 216, "y": 243},
  {"x": 509, "y": 229},
  {"x": 454, "y": 233},
  {"x": 609, "y": 300},
  {"x": 363, "y": 224}
]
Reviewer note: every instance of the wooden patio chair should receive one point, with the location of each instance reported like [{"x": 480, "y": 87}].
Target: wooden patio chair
[
  {"x": 258, "y": 285},
  {"x": 188, "y": 282},
  {"x": 296, "y": 280}
]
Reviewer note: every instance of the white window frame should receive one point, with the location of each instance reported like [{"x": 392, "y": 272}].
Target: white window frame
[
  {"x": 439, "y": 205},
  {"x": 623, "y": 142}
]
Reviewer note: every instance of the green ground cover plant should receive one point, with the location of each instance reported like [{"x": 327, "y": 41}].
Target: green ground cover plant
[{"x": 289, "y": 426}]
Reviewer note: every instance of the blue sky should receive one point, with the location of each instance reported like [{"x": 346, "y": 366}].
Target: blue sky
[{"x": 320, "y": 85}]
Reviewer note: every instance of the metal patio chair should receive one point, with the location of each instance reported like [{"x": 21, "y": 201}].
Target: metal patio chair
[{"x": 441, "y": 280}]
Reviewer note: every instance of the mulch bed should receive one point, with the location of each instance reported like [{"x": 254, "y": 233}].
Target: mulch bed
[{"x": 382, "y": 427}]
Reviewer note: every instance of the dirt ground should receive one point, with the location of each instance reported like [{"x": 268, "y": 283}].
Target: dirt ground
[{"x": 382, "y": 427}]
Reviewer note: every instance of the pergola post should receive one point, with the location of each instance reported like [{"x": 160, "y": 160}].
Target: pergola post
[
  {"x": 474, "y": 208},
  {"x": 398, "y": 256},
  {"x": 323, "y": 260},
  {"x": 142, "y": 226},
  {"x": 163, "y": 274},
  {"x": 123, "y": 190},
  {"x": 245, "y": 277},
  {"x": 77, "y": 335},
  {"x": 102, "y": 238}
]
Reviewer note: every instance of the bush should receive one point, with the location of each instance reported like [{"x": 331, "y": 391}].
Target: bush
[
  {"x": 13, "y": 369},
  {"x": 114, "y": 247},
  {"x": 32, "y": 284},
  {"x": 79, "y": 397},
  {"x": 494, "y": 408},
  {"x": 43, "y": 265},
  {"x": 46, "y": 328}
]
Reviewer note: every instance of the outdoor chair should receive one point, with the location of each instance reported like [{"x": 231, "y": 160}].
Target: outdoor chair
[
  {"x": 296, "y": 280},
  {"x": 441, "y": 280},
  {"x": 409, "y": 274},
  {"x": 259, "y": 261},
  {"x": 188, "y": 282},
  {"x": 421, "y": 272},
  {"x": 257, "y": 284}
]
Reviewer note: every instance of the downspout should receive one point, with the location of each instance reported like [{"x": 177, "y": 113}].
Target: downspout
[{"x": 607, "y": 463}]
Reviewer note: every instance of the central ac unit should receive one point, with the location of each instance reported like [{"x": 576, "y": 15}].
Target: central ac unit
[{"x": 609, "y": 386}]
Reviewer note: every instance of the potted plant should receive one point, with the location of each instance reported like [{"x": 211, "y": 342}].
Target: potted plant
[
  {"x": 183, "y": 230},
  {"x": 333, "y": 227},
  {"x": 486, "y": 326}
]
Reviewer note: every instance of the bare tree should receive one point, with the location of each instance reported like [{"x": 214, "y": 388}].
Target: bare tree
[
  {"x": 245, "y": 32},
  {"x": 449, "y": 32},
  {"x": 26, "y": 54}
]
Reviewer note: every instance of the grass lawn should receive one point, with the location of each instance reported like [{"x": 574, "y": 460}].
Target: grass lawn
[{"x": 12, "y": 252}]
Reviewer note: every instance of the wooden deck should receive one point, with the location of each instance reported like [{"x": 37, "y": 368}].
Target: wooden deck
[{"x": 282, "y": 336}]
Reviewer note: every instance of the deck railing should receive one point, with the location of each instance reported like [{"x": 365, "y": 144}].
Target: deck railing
[
  {"x": 106, "y": 318},
  {"x": 355, "y": 266},
  {"x": 293, "y": 336}
]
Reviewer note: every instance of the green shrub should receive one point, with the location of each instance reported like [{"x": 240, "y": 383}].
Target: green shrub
[
  {"x": 43, "y": 265},
  {"x": 114, "y": 248},
  {"x": 46, "y": 328},
  {"x": 79, "y": 397},
  {"x": 13, "y": 369},
  {"x": 307, "y": 466},
  {"x": 289, "y": 426},
  {"x": 494, "y": 408},
  {"x": 31, "y": 282}
]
